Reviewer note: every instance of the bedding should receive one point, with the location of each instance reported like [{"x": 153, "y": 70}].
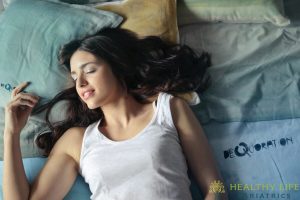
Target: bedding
[
  {"x": 233, "y": 11},
  {"x": 7, "y": 2},
  {"x": 155, "y": 17},
  {"x": 1, "y": 6},
  {"x": 260, "y": 158},
  {"x": 247, "y": 83},
  {"x": 250, "y": 113}
]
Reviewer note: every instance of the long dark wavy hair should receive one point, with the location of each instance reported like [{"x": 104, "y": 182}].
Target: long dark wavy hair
[{"x": 145, "y": 67}]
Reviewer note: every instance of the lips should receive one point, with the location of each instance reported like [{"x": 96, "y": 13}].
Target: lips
[{"x": 87, "y": 94}]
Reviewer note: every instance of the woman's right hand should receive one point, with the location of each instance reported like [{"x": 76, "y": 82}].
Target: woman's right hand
[{"x": 18, "y": 109}]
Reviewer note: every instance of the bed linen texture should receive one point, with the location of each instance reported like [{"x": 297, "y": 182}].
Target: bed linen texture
[{"x": 251, "y": 111}]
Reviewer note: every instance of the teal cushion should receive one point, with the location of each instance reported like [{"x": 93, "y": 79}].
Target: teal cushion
[
  {"x": 7, "y": 2},
  {"x": 233, "y": 11},
  {"x": 31, "y": 33},
  {"x": 1, "y": 7}
]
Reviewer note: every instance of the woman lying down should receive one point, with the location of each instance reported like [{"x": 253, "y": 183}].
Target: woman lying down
[{"x": 126, "y": 133}]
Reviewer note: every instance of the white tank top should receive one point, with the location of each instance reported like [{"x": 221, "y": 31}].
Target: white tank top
[{"x": 149, "y": 166}]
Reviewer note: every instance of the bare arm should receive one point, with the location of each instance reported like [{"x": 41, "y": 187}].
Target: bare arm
[
  {"x": 15, "y": 185},
  {"x": 17, "y": 111},
  {"x": 195, "y": 147},
  {"x": 53, "y": 182},
  {"x": 58, "y": 173}
]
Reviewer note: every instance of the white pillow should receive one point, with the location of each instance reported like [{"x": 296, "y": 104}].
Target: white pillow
[{"x": 232, "y": 11}]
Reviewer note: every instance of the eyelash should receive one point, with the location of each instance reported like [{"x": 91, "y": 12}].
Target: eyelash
[
  {"x": 87, "y": 72},
  {"x": 90, "y": 71}
]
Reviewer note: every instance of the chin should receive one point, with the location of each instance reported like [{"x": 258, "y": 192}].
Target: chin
[{"x": 92, "y": 104}]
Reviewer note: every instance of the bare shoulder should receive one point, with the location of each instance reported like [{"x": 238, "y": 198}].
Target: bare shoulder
[
  {"x": 177, "y": 105},
  {"x": 61, "y": 169},
  {"x": 181, "y": 112},
  {"x": 70, "y": 143}
]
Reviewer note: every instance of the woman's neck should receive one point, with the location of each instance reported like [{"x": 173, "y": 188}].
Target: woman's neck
[{"x": 120, "y": 112}]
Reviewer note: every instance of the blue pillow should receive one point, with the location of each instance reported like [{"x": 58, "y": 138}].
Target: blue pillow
[
  {"x": 31, "y": 33},
  {"x": 7, "y": 2}
]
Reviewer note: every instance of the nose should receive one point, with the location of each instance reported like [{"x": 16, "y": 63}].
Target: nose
[{"x": 81, "y": 81}]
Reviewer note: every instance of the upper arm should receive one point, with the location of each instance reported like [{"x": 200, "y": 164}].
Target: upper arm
[
  {"x": 194, "y": 143},
  {"x": 59, "y": 173}
]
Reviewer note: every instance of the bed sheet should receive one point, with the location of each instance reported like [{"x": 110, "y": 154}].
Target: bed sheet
[
  {"x": 264, "y": 153},
  {"x": 251, "y": 112},
  {"x": 255, "y": 73}
]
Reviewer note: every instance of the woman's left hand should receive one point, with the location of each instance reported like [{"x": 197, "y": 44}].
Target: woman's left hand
[{"x": 18, "y": 109}]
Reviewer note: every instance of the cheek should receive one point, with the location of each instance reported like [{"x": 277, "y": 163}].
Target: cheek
[
  {"x": 108, "y": 80},
  {"x": 77, "y": 92}
]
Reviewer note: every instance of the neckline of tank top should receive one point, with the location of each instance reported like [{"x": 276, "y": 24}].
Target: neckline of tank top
[{"x": 100, "y": 134}]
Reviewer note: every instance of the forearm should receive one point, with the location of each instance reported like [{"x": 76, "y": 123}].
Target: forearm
[
  {"x": 206, "y": 174},
  {"x": 204, "y": 169},
  {"x": 15, "y": 184},
  {"x": 216, "y": 196}
]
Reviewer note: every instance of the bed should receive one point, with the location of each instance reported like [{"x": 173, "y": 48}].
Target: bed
[{"x": 251, "y": 111}]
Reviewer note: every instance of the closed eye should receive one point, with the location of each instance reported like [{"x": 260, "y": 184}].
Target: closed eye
[
  {"x": 90, "y": 71},
  {"x": 86, "y": 69},
  {"x": 74, "y": 76}
]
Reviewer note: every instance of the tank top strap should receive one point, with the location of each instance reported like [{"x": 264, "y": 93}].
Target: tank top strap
[
  {"x": 164, "y": 116},
  {"x": 90, "y": 135}
]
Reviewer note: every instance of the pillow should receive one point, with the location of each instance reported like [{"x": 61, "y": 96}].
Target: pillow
[
  {"x": 155, "y": 17},
  {"x": 234, "y": 11},
  {"x": 5, "y": 3},
  {"x": 1, "y": 6},
  {"x": 31, "y": 33}
]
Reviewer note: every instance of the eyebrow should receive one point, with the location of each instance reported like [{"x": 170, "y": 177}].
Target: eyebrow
[{"x": 83, "y": 66}]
